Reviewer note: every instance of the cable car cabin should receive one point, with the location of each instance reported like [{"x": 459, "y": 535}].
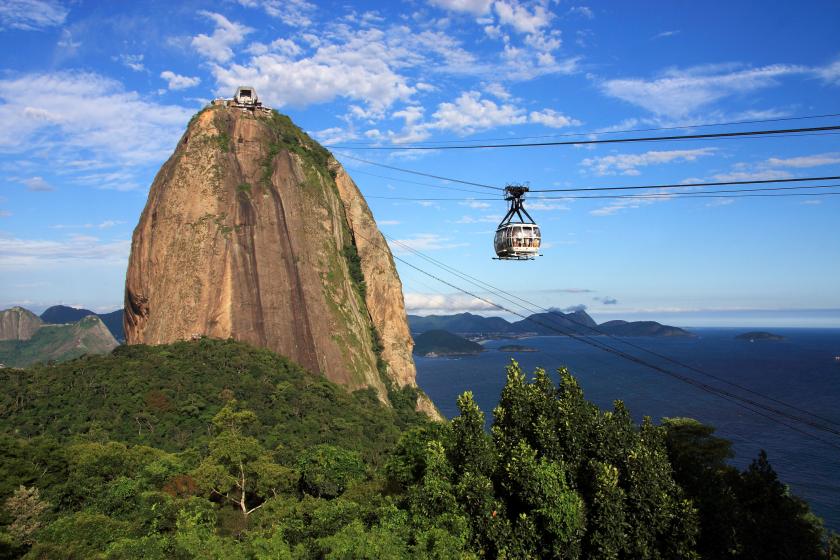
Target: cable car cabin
[{"x": 517, "y": 241}]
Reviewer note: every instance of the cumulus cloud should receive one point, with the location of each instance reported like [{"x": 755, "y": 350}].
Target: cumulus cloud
[
  {"x": 226, "y": 35},
  {"x": 132, "y": 61},
  {"x": 518, "y": 16},
  {"x": 31, "y": 15},
  {"x": 80, "y": 120},
  {"x": 552, "y": 119},
  {"x": 176, "y": 81},
  {"x": 570, "y": 309},
  {"x": 474, "y": 7},
  {"x": 444, "y": 304},
  {"x": 629, "y": 164},
  {"x": 582, "y": 11},
  {"x": 295, "y": 13},
  {"x": 830, "y": 73},
  {"x": 16, "y": 253},
  {"x": 424, "y": 242},
  {"x": 679, "y": 92},
  {"x": 470, "y": 112},
  {"x": 606, "y": 300},
  {"x": 815, "y": 160},
  {"x": 37, "y": 184}
]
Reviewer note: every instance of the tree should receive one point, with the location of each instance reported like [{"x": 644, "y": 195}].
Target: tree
[
  {"x": 238, "y": 468},
  {"x": 26, "y": 508},
  {"x": 326, "y": 471}
]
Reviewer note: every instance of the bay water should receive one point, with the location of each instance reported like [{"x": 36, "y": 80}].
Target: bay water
[{"x": 799, "y": 370}]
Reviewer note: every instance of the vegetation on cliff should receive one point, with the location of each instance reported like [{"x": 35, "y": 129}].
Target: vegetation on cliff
[{"x": 214, "y": 449}]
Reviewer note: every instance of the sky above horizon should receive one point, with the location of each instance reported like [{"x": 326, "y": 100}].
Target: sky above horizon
[{"x": 94, "y": 96}]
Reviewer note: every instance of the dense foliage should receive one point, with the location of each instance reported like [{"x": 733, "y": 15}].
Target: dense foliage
[{"x": 213, "y": 449}]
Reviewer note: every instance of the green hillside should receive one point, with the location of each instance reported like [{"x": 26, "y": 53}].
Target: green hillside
[
  {"x": 58, "y": 343},
  {"x": 216, "y": 450}
]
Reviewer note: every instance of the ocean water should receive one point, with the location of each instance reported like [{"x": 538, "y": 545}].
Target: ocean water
[{"x": 800, "y": 370}]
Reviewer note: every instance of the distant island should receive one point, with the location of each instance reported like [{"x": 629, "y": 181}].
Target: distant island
[
  {"x": 441, "y": 343},
  {"x": 517, "y": 348},
  {"x": 752, "y": 336}
]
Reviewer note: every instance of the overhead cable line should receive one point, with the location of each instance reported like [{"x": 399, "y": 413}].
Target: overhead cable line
[
  {"x": 579, "y": 189},
  {"x": 737, "y": 134},
  {"x": 422, "y": 174},
  {"x": 692, "y": 185},
  {"x": 661, "y": 196},
  {"x": 748, "y": 404},
  {"x": 530, "y": 308},
  {"x": 626, "y": 131}
]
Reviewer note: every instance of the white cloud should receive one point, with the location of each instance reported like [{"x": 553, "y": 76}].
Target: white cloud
[
  {"x": 31, "y": 15},
  {"x": 628, "y": 164},
  {"x": 388, "y": 222},
  {"x": 552, "y": 119},
  {"x": 70, "y": 117},
  {"x": 816, "y": 160},
  {"x": 743, "y": 173},
  {"x": 523, "y": 20},
  {"x": 226, "y": 35},
  {"x": 811, "y": 202},
  {"x": 294, "y": 13},
  {"x": 486, "y": 219},
  {"x": 545, "y": 206},
  {"x": 469, "y": 113},
  {"x": 132, "y": 61},
  {"x": 497, "y": 90},
  {"x": 18, "y": 253},
  {"x": 476, "y": 204},
  {"x": 720, "y": 202},
  {"x": 176, "y": 81},
  {"x": 5, "y": 214},
  {"x": 37, "y": 184},
  {"x": 474, "y": 7},
  {"x": 680, "y": 92},
  {"x": 424, "y": 242},
  {"x": 830, "y": 73},
  {"x": 444, "y": 303},
  {"x": 665, "y": 34},
  {"x": 582, "y": 11}
]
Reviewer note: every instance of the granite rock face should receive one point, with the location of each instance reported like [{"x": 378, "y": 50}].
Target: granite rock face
[
  {"x": 18, "y": 323},
  {"x": 253, "y": 231}
]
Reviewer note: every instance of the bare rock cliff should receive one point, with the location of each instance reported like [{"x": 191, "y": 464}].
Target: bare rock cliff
[
  {"x": 18, "y": 323},
  {"x": 253, "y": 231}
]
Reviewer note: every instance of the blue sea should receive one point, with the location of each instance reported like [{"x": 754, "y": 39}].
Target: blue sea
[{"x": 800, "y": 370}]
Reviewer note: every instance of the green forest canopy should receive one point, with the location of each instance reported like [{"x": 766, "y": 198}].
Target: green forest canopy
[{"x": 214, "y": 449}]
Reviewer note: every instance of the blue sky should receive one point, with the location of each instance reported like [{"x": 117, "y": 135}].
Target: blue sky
[{"x": 94, "y": 95}]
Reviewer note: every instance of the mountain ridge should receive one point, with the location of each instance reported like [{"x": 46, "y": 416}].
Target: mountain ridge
[{"x": 542, "y": 324}]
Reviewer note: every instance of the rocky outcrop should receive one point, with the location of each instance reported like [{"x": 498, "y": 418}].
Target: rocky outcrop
[
  {"x": 253, "y": 231},
  {"x": 18, "y": 323},
  {"x": 59, "y": 343}
]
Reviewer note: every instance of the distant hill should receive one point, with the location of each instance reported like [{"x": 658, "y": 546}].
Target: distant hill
[
  {"x": 61, "y": 314},
  {"x": 542, "y": 324},
  {"x": 759, "y": 335},
  {"x": 59, "y": 343},
  {"x": 462, "y": 323},
  {"x": 18, "y": 323},
  {"x": 547, "y": 324},
  {"x": 444, "y": 343},
  {"x": 640, "y": 328}
]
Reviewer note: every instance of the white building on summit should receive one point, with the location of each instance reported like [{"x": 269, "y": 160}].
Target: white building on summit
[{"x": 245, "y": 98}]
